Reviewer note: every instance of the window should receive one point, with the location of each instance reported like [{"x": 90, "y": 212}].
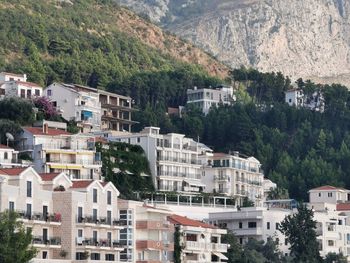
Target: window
[
  {"x": 44, "y": 255},
  {"x": 80, "y": 256},
  {"x": 12, "y": 79},
  {"x": 80, "y": 214},
  {"x": 240, "y": 225},
  {"x": 49, "y": 92},
  {"x": 29, "y": 93},
  {"x": 80, "y": 232},
  {"x": 241, "y": 240},
  {"x": 29, "y": 189},
  {"x": 277, "y": 225},
  {"x": 45, "y": 235},
  {"x": 23, "y": 93},
  {"x": 94, "y": 236},
  {"x": 37, "y": 92},
  {"x": 109, "y": 257},
  {"x": 94, "y": 215},
  {"x": 12, "y": 206},
  {"x": 331, "y": 243},
  {"x": 29, "y": 211},
  {"x": 319, "y": 194},
  {"x": 138, "y": 139},
  {"x": 109, "y": 217},
  {"x": 94, "y": 195},
  {"x": 330, "y": 194},
  {"x": 6, "y": 155},
  {"x": 268, "y": 225},
  {"x": 251, "y": 224},
  {"x": 109, "y": 197},
  {"x": 285, "y": 241},
  {"x": 95, "y": 256}
]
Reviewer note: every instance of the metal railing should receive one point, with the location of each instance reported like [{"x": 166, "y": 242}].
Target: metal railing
[
  {"x": 98, "y": 242},
  {"x": 52, "y": 241},
  {"x": 100, "y": 220},
  {"x": 55, "y": 217}
]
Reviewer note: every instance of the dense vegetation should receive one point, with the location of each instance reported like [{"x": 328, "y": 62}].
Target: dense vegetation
[{"x": 126, "y": 166}]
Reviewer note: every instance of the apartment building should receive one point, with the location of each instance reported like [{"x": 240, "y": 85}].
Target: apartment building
[
  {"x": 233, "y": 175},
  {"x": 53, "y": 150},
  {"x": 201, "y": 242},
  {"x": 90, "y": 221},
  {"x": 329, "y": 194},
  {"x": 93, "y": 109},
  {"x": 149, "y": 235},
  {"x": 24, "y": 191},
  {"x": 9, "y": 158},
  {"x": 77, "y": 103},
  {"x": 206, "y": 98},
  {"x": 173, "y": 159},
  {"x": 16, "y": 85}
]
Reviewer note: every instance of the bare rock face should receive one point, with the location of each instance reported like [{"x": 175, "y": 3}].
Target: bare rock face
[{"x": 309, "y": 39}]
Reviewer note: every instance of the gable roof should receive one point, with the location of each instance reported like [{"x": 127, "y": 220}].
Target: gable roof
[
  {"x": 327, "y": 187},
  {"x": 82, "y": 184},
  {"x": 184, "y": 221},
  {"x": 28, "y": 84},
  {"x": 12, "y": 171},
  {"x": 48, "y": 176},
  {"x": 51, "y": 132}
]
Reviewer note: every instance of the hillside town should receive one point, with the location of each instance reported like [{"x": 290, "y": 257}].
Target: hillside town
[{"x": 61, "y": 193}]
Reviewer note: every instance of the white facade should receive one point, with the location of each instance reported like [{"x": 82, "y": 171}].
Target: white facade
[
  {"x": 93, "y": 109},
  {"x": 55, "y": 150},
  {"x": 149, "y": 236},
  {"x": 329, "y": 194},
  {"x": 14, "y": 85},
  {"x": 173, "y": 159},
  {"x": 8, "y": 157},
  {"x": 200, "y": 242},
  {"x": 79, "y": 105},
  {"x": 233, "y": 175},
  {"x": 297, "y": 98},
  {"x": 204, "y": 99}
]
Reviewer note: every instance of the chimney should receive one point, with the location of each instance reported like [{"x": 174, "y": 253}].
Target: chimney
[{"x": 45, "y": 128}]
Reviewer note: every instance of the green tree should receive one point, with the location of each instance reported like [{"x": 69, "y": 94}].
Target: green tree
[
  {"x": 177, "y": 246},
  {"x": 15, "y": 240},
  {"x": 299, "y": 230},
  {"x": 335, "y": 258},
  {"x": 17, "y": 110}
]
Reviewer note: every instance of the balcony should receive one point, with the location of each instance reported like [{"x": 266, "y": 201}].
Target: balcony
[
  {"x": 99, "y": 243},
  {"x": 40, "y": 241},
  {"x": 178, "y": 160},
  {"x": 71, "y": 161},
  {"x": 154, "y": 225},
  {"x": 223, "y": 177},
  {"x": 248, "y": 231},
  {"x": 154, "y": 245},
  {"x": 222, "y": 190},
  {"x": 190, "y": 189},
  {"x": 54, "y": 218},
  {"x": 179, "y": 174},
  {"x": 69, "y": 146},
  {"x": 194, "y": 245},
  {"x": 101, "y": 221},
  {"x": 219, "y": 247}
]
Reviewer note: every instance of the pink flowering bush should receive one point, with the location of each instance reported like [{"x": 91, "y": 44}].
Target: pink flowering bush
[{"x": 46, "y": 107}]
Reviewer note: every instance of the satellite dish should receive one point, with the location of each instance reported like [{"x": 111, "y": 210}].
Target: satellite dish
[{"x": 9, "y": 136}]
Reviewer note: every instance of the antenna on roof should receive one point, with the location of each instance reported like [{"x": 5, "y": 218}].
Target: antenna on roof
[{"x": 9, "y": 137}]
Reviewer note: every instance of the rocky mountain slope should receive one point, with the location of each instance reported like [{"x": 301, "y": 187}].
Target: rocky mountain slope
[{"x": 309, "y": 39}]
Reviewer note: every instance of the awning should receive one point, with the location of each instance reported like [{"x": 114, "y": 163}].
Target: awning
[
  {"x": 67, "y": 166},
  {"x": 220, "y": 255},
  {"x": 194, "y": 182},
  {"x": 86, "y": 114}
]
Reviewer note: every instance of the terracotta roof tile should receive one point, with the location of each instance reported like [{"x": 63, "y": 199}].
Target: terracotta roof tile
[
  {"x": 12, "y": 171},
  {"x": 2, "y": 146},
  {"x": 327, "y": 187},
  {"x": 181, "y": 220},
  {"x": 48, "y": 176},
  {"x": 51, "y": 132},
  {"x": 28, "y": 84},
  {"x": 81, "y": 184},
  {"x": 343, "y": 207}
]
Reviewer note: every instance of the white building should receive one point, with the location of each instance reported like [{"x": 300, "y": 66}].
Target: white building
[
  {"x": 329, "y": 194},
  {"x": 15, "y": 85},
  {"x": 201, "y": 242},
  {"x": 233, "y": 175},
  {"x": 149, "y": 237},
  {"x": 8, "y": 157},
  {"x": 297, "y": 98},
  {"x": 204, "y": 99},
  {"x": 56, "y": 150},
  {"x": 173, "y": 159},
  {"x": 93, "y": 109}
]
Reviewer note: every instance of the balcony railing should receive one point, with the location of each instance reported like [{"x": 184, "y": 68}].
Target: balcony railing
[
  {"x": 178, "y": 160},
  {"x": 55, "y": 217},
  {"x": 65, "y": 161},
  {"x": 98, "y": 242},
  {"x": 100, "y": 220},
  {"x": 179, "y": 174},
  {"x": 52, "y": 241}
]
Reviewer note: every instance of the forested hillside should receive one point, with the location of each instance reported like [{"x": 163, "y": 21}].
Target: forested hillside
[{"x": 97, "y": 43}]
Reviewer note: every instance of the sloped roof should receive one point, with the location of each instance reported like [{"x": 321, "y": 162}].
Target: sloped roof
[
  {"x": 28, "y": 84},
  {"x": 12, "y": 171},
  {"x": 343, "y": 207},
  {"x": 82, "y": 184},
  {"x": 48, "y": 176},
  {"x": 51, "y": 132},
  {"x": 327, "y": 187},
  {"x": 2, "y": 146},
  {"x": 184, "y": 221}
]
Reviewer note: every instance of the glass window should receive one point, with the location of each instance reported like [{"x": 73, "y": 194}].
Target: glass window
[
  {"x": 95, "y": 256},
  {"x": 94, "y": 215},
  {"x": 29, "y": 189},
  {"x": 12, "y": 206},
  {"x": 251, "y": 224},
  {"x": 49, "y": 92},
  {"x": 109, "y": 257},
  {"x": 109, "y": 197},
  {"x": 268, "y": 225},
  {"x": 29, "y": 211},
  {"x": 94, "y": 195},
  {"x": 6, "y": 155}
]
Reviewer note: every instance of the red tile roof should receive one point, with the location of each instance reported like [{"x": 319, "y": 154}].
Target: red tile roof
[
  {"x": 11, "y": 74},
  {"x": 51, "y": 132},
  {"x": 343, "y": 207},
  {"x": 184, "y": 221},
  {"x": 12, "y": 171},
  {"x": 28, "y": 84},
  {"x": 82, "y": 184},
  {"x": 48, "y": 176},
  {"x": 2, "y": 146},
  {"x": 327, "y": 187}
]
